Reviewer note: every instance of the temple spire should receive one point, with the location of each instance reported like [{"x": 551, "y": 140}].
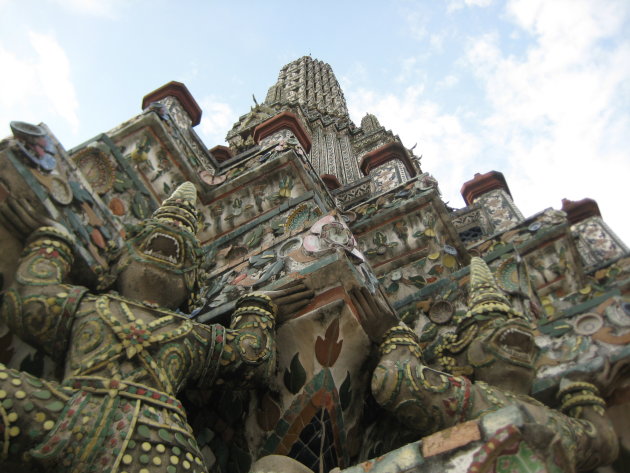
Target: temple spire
[{"x": 310, "y": 83}]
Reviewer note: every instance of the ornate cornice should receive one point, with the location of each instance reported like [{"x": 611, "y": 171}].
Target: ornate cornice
[
  {"x": 578, "y": 210},
  {"x": 482, "y": 184},
  {"x": 221, "y": 153},
  {"x": 282, "y": 121},
  {"x": 386, "y": 153},
  {"x": 330, "y": 181},
  {"x": 181, "y": 93}
]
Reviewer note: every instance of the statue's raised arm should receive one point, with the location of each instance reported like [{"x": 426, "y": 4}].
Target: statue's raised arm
[
  {"x": 39, "y": 306},
  {"x": 496, "y": 345},
  {"x": 127, "y": 351}
]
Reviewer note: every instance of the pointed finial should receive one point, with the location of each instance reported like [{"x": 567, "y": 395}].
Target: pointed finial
[
  {"x": 185, "y": 192},
  {"x": 180, "y": 208},
  {"x": 485, "y": 296}
]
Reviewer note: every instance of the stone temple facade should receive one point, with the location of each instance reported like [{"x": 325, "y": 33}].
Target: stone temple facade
[{"x": 303, "y": 193}]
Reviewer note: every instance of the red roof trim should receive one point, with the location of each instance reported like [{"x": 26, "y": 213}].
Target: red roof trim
[
  {"x": 181, "y": 93},
  {"x": 578, "y": 210},
  {"x": 331, "y": 181},
  {"x": 384, "y": 154},
  {"x": 284, "y": 120},
  {"x": 221, "y": 153},
  {"x": 482, "y": 184}
]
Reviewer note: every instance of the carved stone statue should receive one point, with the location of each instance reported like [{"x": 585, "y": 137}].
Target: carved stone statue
[
  {"x": 494, "y": 345},
  {"x": 127, "y": 353}
]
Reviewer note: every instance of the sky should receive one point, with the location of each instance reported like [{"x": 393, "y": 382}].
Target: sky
[{"x": 536, "y": 89}]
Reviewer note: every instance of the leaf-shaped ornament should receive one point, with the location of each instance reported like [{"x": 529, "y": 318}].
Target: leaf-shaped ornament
[
  {"x": 327, "y": 349},
  {"x": 295, "y": 376}
]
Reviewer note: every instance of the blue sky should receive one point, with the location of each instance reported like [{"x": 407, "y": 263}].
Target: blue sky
[{"x": 536, "y": 89}]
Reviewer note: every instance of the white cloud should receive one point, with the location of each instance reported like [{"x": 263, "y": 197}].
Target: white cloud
[
  {"x": 448, "y": 82},
  {"x": 38, "y": 87},
  {"x": 555, "y": 118},
  {"x": 53, "y": 73},
  {"x": 357, "y": 73},
  {"x": 446, "y": 146},
  {"x": 559, "y": 113},
  {"x": 416, "y": 21},
  {"x": 459, "y": 4},
  {"x": 98, "y": 8},
  {"x": 437, "y": 41},
  {"x": 217, "y": 119},
  {"x": 411, "y": 71}
]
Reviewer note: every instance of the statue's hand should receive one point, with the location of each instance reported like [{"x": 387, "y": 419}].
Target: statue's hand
[
  {"x": 21, "y": 219},
  {"x": 290, "y": 299},
  {"x": 375, "y": 313},
  {"x": 604, "y": 377}
]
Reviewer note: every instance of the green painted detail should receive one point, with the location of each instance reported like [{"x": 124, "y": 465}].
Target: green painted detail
[
  {"x": 180, "y": 438},
  {"x": 254, "y": 238},
  {"x": 55, "y": 406},
  {"x": 556, "y": 328},
  {"x": 80, "y": 193},
  {"x": 587, "y": 305},
  {"x": 524, "y": 461},
  {"x": 418, "y": 281},
  {"x": 28, "y": 177},
  {"x": 320, "y": 383},
  {"x": 140, "y": 206},
  {"x": 393, "y": 287},
  {"x": 124, "y": 163},
  {"x": 345, "y": 393},
  {"x": 144, "y": 431},
  {"x": 122, "y": 182},
  {"x": 43, "y": 394},
  {"x": 294, "y": 376},
  {"x": 429, "y": 331},
  {"x": 260, "y": 220},
  {"x": 165, "y": 435},
  {"x": 36, "y": 383}
]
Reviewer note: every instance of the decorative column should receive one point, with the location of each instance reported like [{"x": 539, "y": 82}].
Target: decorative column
[
  {"x": 389, "y": 166},
  {"x": 578, "y": 210},
  {"x": 596, "y": 242},
  {"x": 178, "y": 109},
  {"x": 491, "y": 192},
  {"x": 283, "y": 128},
  {"x": 178, "y": 100},
  {"x": 221, "y": 153}
]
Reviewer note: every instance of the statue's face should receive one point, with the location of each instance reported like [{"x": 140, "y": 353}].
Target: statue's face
[
  {"x": 163, "y": 245},
  {"x": 503, "y": 353},
  {"x": 159, "y": 265}
]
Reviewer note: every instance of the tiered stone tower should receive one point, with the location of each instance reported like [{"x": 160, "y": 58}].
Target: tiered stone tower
[
  {"x": 354, "y": 162},
  {"x": 301, "y": 192}
]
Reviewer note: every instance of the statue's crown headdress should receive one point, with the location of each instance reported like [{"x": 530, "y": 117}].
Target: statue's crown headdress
[
  {"x": 180, "y": 208},
  {"x": 485, "y": 296}
]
